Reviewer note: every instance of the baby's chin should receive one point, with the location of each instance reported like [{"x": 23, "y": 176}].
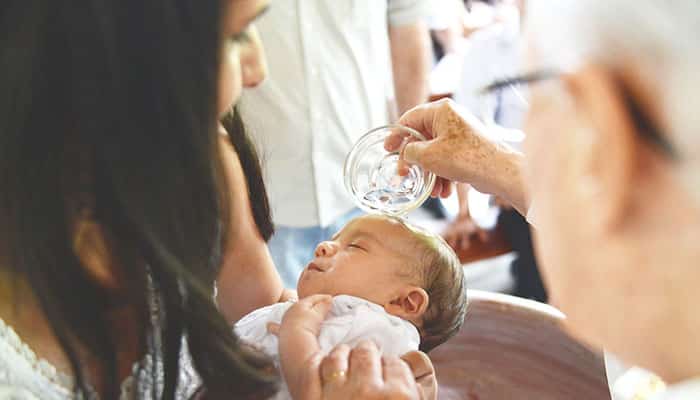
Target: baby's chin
[{"x": 304, "y": 289}]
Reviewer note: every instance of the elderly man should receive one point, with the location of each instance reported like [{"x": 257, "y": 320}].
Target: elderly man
[
  {"x": 337, "y": 69},
  {"x": 609, "y": 176}
]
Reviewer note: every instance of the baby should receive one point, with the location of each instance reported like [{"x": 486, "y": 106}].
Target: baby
[{"x": 392, "y": 283}]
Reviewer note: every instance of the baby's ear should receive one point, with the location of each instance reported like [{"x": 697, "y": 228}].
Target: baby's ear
[{"x": 410, "y": 304}]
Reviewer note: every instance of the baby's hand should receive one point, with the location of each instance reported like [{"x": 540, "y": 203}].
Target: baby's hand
[
  {"x": 306, "y": 315},
  {"x": 297, "y": 319},
  {"x": 299, "y": 348},
  {"x": 273, "y": 328},
  {"x": 289, "y": 295}
]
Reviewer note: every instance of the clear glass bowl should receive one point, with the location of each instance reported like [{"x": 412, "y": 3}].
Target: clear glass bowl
[{"x": 372, "y": 178}]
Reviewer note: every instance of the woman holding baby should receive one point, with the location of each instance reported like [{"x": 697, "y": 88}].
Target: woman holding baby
[
  {"x": 609, "y": 178},
  {"x": 128, "y": 190}
]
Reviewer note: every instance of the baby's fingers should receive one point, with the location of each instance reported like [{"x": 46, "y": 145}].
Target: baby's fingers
[
  {"x": 273, "y": 328},
  {"x": 308, "y": 313}
]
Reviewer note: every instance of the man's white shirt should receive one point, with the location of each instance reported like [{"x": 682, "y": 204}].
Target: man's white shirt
[{"x": 330, "y": 80}]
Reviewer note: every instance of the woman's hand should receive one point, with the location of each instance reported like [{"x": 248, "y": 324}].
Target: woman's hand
[
  {"x": 423, "y": 373},
  {"x": 459, "y": 149},
  {"x": 362, "y": 373},
  {"x": 345, "y": 373}
]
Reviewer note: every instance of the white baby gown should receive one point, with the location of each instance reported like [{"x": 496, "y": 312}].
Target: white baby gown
[{"x": 350, "y": 320}]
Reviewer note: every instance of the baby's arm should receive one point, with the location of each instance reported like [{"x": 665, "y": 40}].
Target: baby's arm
[{"x": 298, "y": 343}]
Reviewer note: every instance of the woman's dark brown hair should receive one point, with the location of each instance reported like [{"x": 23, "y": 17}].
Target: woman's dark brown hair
[{"x": 107, "y": 109}]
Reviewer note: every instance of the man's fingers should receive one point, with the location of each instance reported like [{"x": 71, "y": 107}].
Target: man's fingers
[
  {"x": 421, "y": 118},
  {"x": 437, "y": 189},
  {"x": 394, "y": 141},
  {"x": 403, "y": 166},
  {"x": 413, "y": 152},
  {"x": 446, "y": 189}
]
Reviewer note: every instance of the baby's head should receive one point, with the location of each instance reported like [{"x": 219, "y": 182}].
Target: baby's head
[{"x": 410, "y": 272}]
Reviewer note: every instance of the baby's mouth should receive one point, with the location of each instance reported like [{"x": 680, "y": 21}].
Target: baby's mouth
[{"x": 314, "y": 267}]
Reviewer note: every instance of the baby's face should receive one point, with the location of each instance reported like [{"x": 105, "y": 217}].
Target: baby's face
[{"x": 369, "y": 258}]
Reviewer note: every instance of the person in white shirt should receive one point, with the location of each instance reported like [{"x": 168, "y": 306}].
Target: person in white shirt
[
  {"x": 337, "y": 69},
  {"x": 612, "y": 164}
]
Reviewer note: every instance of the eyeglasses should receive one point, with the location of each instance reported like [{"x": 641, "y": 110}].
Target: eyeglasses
[
  {"x": 502, "y": 111},
  {"x": 644, "y": 125}
]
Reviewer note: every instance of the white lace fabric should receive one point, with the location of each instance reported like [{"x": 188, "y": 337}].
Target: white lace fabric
[{"x": 24, "y": 376}]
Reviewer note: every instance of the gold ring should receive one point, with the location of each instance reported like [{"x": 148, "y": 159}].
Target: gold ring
[{"x": 335, "y": 375}]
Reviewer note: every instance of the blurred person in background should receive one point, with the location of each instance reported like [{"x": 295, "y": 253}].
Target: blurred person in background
[
  {"x": 495, "y": 52},
  {"x": 446, "y": 23},
  {"x": 337, "y": 69}
]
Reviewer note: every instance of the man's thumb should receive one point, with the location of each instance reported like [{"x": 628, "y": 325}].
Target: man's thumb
[{"x": 413, "y": 152}]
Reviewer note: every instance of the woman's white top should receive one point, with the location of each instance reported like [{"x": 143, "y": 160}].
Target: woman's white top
[
  {"x": 25, "y": 376},
  {"x": 350, "y": 320}
]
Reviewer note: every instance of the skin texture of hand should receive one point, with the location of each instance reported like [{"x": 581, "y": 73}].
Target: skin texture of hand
[
  {"x": 345, "y": 373},
  {"x": 458, "y": 149}
]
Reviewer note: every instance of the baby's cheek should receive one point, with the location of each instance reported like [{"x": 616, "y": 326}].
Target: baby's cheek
[{"x": 307, "y": 285}]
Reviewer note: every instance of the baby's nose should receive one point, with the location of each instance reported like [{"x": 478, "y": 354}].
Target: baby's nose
[{"x": 326, "y": 249}]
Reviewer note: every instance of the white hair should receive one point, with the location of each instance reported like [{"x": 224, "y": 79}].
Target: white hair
[{"x": 661, "y": 38}]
